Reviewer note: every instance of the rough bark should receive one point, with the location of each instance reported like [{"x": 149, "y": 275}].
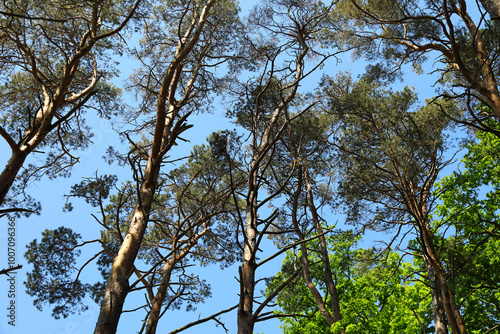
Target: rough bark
[
  {"x": 9, "y": 173},
  {"x": 247, "y": 280},
  {"x": 168, "y": 128},
  {"x": 440, "y": 323},
  {"x": 246, "y": 319},
  {"x": 121, "y": 270}
]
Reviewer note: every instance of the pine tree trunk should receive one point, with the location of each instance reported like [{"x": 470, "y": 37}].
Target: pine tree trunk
[
  {"x": 10, "y": 172},
  {"x": 455, "y": 320},
  {"x": 247, "y": 271},
  {"x": 123, "y": 265},
  {"x": 437, "y": 301},
  {"x": 154, "y": 315}
]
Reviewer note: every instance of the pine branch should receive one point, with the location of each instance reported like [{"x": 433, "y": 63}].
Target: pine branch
[
  {"x": 212, "y": 317},
  {"x": 6, "y": 271}
]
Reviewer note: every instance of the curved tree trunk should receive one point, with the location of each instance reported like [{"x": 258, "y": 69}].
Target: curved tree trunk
[
  {"x": 122, "y": 268},
  {"x": 55, "y": 94},
  {"x": 169, "y": 125},
  {"x": 161, "y": 294},
  {"x": 10, "y": 172},
  {"x": 154, "y": 315}
]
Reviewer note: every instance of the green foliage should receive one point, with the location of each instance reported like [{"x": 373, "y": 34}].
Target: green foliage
[
  {"x": 390, "y": 148},
  {"x": 376, "y": 296},
  {"x": 254, "y": 109},
  {"x": 166, "y": 24},
  {"x": 306, "y": 140},
  {"x": 471, "y": 196},
  {"x": 51, "y": 281},
  {"x": 56, "y": 65},
  {"x": 94, "y": 190},
  {"x": 470, "y": 205},
  {"x": 354, "y": 28},
  {"x": 384, "y": 29},
  {"x": 391, "y": 34}
]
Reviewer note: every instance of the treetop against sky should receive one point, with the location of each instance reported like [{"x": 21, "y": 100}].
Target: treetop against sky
[{"x": 227, "y": 167}]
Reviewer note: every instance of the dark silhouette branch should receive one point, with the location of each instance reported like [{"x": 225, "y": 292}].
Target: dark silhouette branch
[
  {"x": 6, "y": 271},
  {"x": 200, "y": 321}
]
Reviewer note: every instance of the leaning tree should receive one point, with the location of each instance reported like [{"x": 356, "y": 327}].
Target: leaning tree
[{"x": 55, "y": 65}]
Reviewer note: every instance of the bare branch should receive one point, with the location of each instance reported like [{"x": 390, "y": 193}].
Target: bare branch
[
  {"x": 6, "y": 271},
  {"x": 200, "y": 321}
]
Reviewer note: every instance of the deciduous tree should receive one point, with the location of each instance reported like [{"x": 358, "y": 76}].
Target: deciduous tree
[
  {"x": 469, "y": 203},
  {"x": 377, "y": 294}
]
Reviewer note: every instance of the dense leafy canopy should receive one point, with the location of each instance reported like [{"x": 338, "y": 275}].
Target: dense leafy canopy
[
  {"x": 376, "y": 296},
  {"x": 470, "y": 205}
]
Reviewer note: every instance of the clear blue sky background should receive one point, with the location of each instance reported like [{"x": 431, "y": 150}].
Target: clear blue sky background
[{"x": 50, "y": 193}]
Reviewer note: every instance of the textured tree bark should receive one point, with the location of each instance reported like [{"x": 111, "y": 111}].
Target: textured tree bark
[
  {"x": 247, "y": 270},
  {"x": 34, "y": 135},
  {"x": 246, "y": 319},
  {"x": 304, "y": 253},
  {"x": 440, "y": 323},
  {"x": 453, "y": 315},
  {"x": 167, "y": 129},
  {"x": 123, "y": 265},
  {"x": 454, "y": 318},
  {"x": 117, "y": 286},
  {"x": 245, "y": 310},
  {"x": 332, "y": 288},
  {"x": 10, "y": 172}
]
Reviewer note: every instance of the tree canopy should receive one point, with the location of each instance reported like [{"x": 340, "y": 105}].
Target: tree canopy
[{"x": 246, "y": 142}]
